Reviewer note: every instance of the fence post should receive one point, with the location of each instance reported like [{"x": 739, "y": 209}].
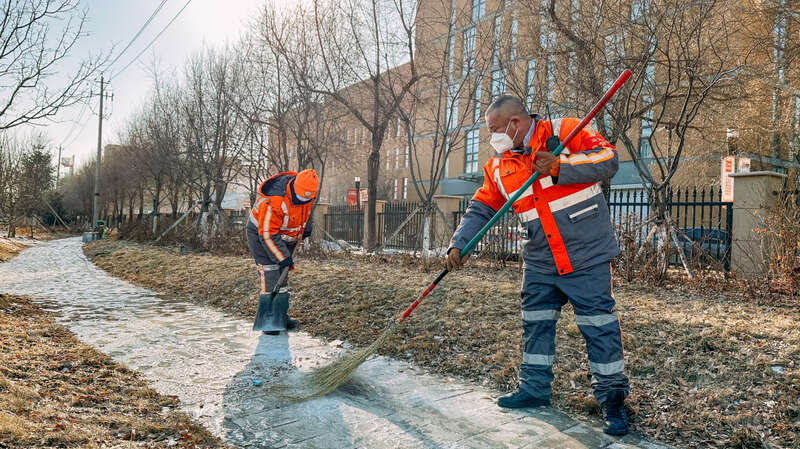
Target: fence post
[
  {"x": 380, "y": 206},
  {"x": 753, "y": 194}
]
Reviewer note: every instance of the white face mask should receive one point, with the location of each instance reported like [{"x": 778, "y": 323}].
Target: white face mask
[{"x": 501, "y": 142}]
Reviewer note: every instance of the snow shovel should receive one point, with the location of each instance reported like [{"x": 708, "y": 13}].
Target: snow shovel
[
  {"x": 327, "y": 378},
  {"x": 272, "y": 308}
]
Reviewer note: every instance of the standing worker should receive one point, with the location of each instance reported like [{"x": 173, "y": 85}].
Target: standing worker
[
  {"x": 278, "y": 222},
  {"x": 567, "y": 254}
]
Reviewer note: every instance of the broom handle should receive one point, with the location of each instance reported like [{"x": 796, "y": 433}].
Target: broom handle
[{"x": 464, "y": 251}]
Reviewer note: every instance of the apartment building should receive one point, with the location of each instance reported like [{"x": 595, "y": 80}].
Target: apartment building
[{"x": 475, "y": 50}]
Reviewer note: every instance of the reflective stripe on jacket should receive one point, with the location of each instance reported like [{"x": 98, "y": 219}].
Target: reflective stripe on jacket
[
  {"x": 277, "y": 220},
  {"x": 566, "y": 218}
]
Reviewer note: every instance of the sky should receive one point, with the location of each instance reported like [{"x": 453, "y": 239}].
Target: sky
[{"x": 112, "y": 23}]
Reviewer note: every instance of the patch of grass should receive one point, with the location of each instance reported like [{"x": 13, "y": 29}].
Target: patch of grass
[
  {"x": 707, "y": 370},
  {"x": 57, "y": 392}
]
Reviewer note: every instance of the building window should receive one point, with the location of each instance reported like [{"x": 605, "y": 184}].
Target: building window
[
  {"x": 549, "y": 78},
  {"x": 397, "y": 158},
  {"x": 638, "y": 10},
  {"x": 408, "y": 156},
  {"x": 405, "y": 188},
  {"x": 451, "y": 53},
  {"x": 388, "y": 159},
  {"x": 645, "y": 150},
  {"x": 451, "y": 116},
  {"x": 529, "y": 75},
  {"x": 547, "y": 35},
  {"x": 574, "y": 8},
  {"x": 478, "y": 8},
  {"x": 394, "y": 192},
  {"x": 498, "y": 83},
  {"x": 471, "y": 152},
  {"x": 468, "y": 50},
  {"x": 399, "y": 126},
  {"x": 476, "y": 111},
  {"x": 496, "y": 46},
  {"x": 514, "y": 27},
  {"x": 446, "y": 152}
]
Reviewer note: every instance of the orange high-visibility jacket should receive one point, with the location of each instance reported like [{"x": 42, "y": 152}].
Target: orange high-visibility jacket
[
  {"x": 566, "y": 217},
  {"x": 276, "y": 218}
]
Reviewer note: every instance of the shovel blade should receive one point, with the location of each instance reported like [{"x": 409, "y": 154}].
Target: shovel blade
[{"x": 272, "y": 312}]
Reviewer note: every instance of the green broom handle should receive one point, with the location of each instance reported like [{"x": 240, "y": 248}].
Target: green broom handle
[{"x": 464, "y": 251}]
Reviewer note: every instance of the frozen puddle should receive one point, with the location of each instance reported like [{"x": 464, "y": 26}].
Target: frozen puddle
[{"x": 227, "y": 376}]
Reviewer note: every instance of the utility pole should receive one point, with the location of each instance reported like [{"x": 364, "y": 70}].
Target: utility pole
[
  {"x": 96, "y": 199},
  {"x": 58, "y": 164}
]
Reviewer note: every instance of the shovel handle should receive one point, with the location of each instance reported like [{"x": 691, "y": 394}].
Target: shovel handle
[
  {"x": 610, "y": 93},
  {"x": 284, "y": 272}
]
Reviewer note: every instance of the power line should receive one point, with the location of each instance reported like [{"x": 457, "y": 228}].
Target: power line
[
  {"x": 138, "y": 33},
  {"x": 76, "y": 122},
  {"x": 151, "y": 42}
]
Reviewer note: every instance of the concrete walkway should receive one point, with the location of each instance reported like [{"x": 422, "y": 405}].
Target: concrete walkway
[
  {"x": 387, "y": 404},
  {"x": 234, "y": 381}
]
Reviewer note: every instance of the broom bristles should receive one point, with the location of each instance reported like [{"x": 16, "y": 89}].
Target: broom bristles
[{"x": 329, "y": 377}]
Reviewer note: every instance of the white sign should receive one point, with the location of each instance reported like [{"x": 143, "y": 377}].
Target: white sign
[
  {"x": 743, "y": 165},
  {"x": 728, "y": 166}
]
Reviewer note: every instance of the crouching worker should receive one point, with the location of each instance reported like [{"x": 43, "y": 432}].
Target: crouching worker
[
  {"x": 278, "y": 222},
  {"x": 567, "y": 254}
]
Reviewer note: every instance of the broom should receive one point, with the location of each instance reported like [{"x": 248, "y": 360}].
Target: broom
[{"x": 327, "y": 378}]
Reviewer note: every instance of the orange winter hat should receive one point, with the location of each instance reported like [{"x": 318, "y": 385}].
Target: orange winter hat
[{"x": 306, "y": 184}]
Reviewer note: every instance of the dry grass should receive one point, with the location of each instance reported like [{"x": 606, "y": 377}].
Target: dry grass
[
  {"x": 707, "y": 370},
  {"x": 57, "y": 392}
]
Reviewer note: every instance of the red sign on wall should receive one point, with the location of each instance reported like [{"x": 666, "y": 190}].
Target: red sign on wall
[
  {"x": 726, "y": 181},
  {"x": 352, "y": 200}
]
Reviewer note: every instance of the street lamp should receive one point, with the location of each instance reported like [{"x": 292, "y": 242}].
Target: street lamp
[{"x": 358, "y": 191}]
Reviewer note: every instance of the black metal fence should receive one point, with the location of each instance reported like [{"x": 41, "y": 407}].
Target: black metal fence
[
  {"x": 705, "y": 223},
  {"x": 389, "y": 221},
  {"x": 345, "y": 223}
]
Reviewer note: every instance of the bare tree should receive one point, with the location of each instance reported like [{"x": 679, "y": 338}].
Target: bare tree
[
  {"x": 214, "y": 133},
  {"x": 36, "y": 38},
  {"x": 360, "y": 49},
  {"x": 10, "y": 175}
]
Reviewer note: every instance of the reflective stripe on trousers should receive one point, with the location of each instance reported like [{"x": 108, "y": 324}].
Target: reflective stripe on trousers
[{"x": 267, "y": 277}]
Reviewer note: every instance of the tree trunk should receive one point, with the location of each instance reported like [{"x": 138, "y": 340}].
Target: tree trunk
[{"x": 373, "y": 169}]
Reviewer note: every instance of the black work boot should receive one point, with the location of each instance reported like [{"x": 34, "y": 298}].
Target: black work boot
[
  {"x": 290, "y": 323},
  {"x": 616, "y": 418},
  {"x": 271, "y": 332},
  {"x": 522, "y": 399}
]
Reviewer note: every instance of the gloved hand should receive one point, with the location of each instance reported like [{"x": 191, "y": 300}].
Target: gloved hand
[
  {"x": 287, "y": 262},
  {"x": 454, "y": 261},
  {"x": 546, "y": 163}
]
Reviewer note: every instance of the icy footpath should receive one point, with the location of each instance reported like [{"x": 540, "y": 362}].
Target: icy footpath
[{"x": 233, "y": 380}]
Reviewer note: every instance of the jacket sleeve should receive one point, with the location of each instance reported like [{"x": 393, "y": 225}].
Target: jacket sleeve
[
  {"x": 269, "y": 226},
  {"x": 486, "y": 201},
  {"x": 591, "y": 158}
]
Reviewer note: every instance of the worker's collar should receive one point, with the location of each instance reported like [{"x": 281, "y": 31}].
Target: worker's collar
[{"x": 525, "y": 148}]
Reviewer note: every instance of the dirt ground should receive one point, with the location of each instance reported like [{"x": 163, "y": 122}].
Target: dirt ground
[
  {"x": 707, "y": 370},
  {"x": 57, "y": 392}
]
